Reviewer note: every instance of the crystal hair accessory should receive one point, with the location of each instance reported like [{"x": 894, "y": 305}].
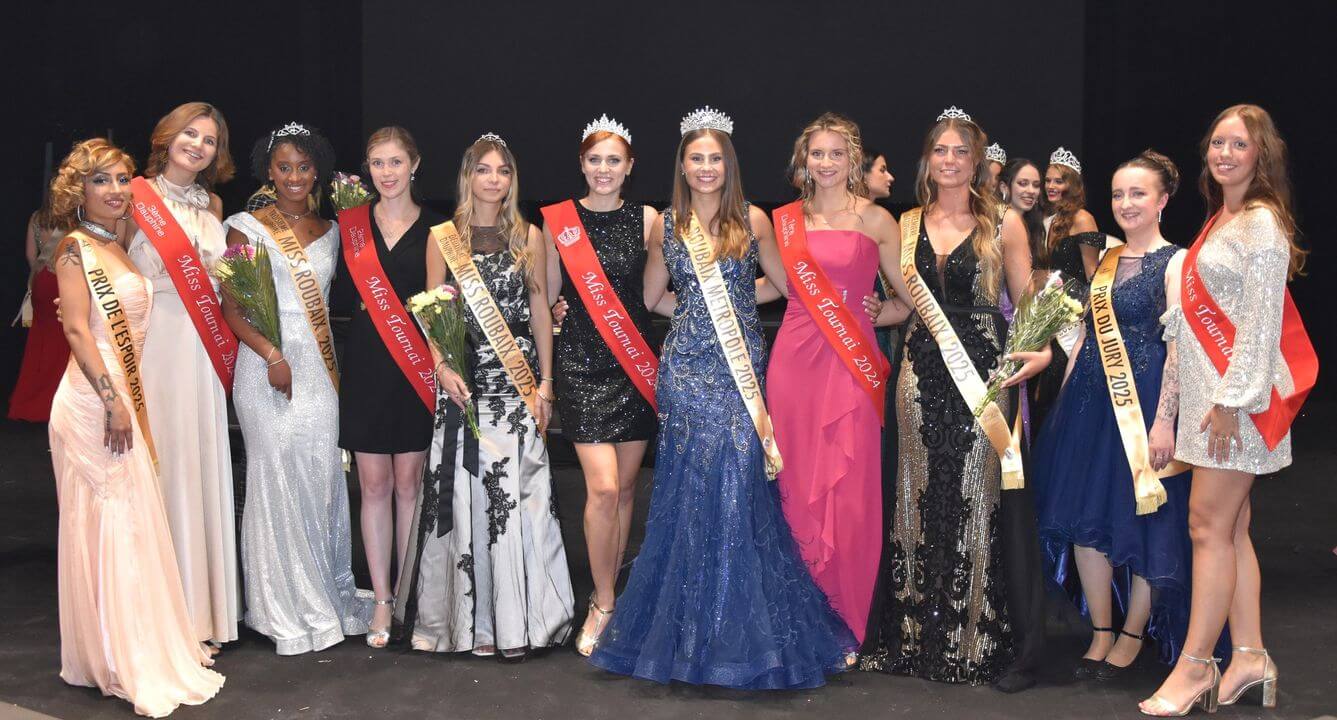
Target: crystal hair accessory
[
  {"x": 1065, "y": 158},
  {"x": 607, "y": 124},
  {"x": 996, "y": 153},
  {"x": 492, "y": 138},
  {"x": 706, "y": 118},
  {"x": 953, "y": 113},
  {"x": 289, "y": 130}
]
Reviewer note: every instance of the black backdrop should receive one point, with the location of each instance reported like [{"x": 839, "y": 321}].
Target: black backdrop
[{"x": 1104, "y": 79}]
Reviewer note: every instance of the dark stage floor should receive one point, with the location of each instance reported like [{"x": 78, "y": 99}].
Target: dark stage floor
[{"x": 1295, "y": 528}]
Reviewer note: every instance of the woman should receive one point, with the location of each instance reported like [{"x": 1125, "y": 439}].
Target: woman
[
  {"x": 487, "y": 571},
  {"x": 186, "y": 395},
  {"x": 604, "y": 411},
  {"x": 1072, "y": 245},
  {"x": 45, "y": 352},
  {"x": 1083, "y": 475},
  {"x": 1241, "y": 261},
  {"x": 943, "y": 616},
  {"x": 997, "y": 161},
  {"x": 296, "y": 544},
  {"x": 1020, "y": 189},
  {"x": 124, "y": 628},
  {"x": 831, "y": 485},
  {"x": 877, "y": 177},
  {"x": 719, "y": 594},
  {"x": 383, "y": 420}
]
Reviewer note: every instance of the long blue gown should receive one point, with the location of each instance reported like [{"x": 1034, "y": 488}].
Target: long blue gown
[
  {"x": 1084, "y": 488},
  {"x": 718, "y": 594}
]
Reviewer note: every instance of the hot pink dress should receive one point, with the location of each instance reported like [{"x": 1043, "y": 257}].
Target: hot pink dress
[
  {"x": 123, "y": 622},
  {"x": 829, "y": 435}
]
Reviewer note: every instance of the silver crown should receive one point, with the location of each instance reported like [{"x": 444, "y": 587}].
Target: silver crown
[
  {"x": 289, "y": 130},
  {"x": 996, "y": 153},
  {"x": 607, "y": 124},
  {"x": 953, "y": 113},
  {"x": 706, "y": 118},
  {"x": 1065, "y": 157},
  {"x": 492, "y": 138}
]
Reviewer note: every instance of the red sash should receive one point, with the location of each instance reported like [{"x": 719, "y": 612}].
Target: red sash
[
  {"x": 604, "y": 306},
  {"x": 393, "y": 323},
  {"x": 1216, "y": 335},
  {"x": 809, "y": 285},
  {"x": 189, "y": 277}
]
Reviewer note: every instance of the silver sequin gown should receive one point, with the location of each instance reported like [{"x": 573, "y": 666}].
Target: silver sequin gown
[
  {"x": 296, "y": 539},
  {"x": 1243, "y": 264}
]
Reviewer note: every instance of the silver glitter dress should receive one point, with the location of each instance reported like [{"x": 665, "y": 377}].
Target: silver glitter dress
[
  {"x": 1243, "y": 264},
  {"x": 296, "y": 539}
]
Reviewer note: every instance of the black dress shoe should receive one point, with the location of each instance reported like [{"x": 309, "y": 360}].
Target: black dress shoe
[
  {"x": 1087, "y": 669},
  {"x": 1014, "y": 681},
  {"x": 1107, "y": 671}
]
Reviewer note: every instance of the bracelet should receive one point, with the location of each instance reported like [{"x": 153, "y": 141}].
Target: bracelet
[
  {"x": 543, "y": 397},
  {"x": 276, "y": 362},
  {"x": 270, "y": 355},
  {"x": 548, "y": 379}
]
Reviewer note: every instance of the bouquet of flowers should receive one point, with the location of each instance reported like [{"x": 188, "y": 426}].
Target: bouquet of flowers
[
  {"x": 244, "y": 274},
  {"x": 347, "y": 191},
  {"x": 440, "y": 313},
  {"x": 1038, "y": 319}
]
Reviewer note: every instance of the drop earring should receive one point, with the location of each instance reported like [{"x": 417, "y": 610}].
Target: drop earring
[
  {"x": 413, "y": 177},
  {"x": 1158, "y": 215}
]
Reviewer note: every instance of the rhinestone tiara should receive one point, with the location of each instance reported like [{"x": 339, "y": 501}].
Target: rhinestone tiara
[
  {"x": 706, "y": 118},
  {"x": 996, "y": 153},
  {"x": 288, "y": 130},
  {"x": 607, "y": 124},
  {"x": 1066, "y": 158},
  {"x": 492, "y": 138},
  {"x": 953, "y": 113}
]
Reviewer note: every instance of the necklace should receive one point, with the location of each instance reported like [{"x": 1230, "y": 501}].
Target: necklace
[
  {"x": 97, "y": 230},
  {"x": 291, "y": 216}
]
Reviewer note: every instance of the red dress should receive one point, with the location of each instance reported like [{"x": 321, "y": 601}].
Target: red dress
[
  {"x": 44, "y": 355},
  {"x": 828, "y": 432}
]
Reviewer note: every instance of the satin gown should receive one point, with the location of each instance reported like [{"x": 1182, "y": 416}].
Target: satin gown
[
  {"x": 45, "y": 351},
  {"x": 296, "y": 536},
  {"x": 124, "y": 628},
  {"x": 718, "y": 594},
  {"x": 830, "y": 435}
]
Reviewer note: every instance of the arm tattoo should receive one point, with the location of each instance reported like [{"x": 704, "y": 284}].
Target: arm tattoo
[
  {"x": 105, "y": 389},
  {"x": 1168, "y": 407},
  {"x": 71, "y": 255}
]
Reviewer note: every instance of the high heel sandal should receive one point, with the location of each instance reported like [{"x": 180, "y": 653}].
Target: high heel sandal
[
  {"x": 380, "y": 638},
  {"x": 1087, "y": 667},
  {"x": 586, "y": 642},
  {"x": 1208, "y": 697},
  {"x": 1108, "y": 670},
  {"x": 1268, "y": 680}
]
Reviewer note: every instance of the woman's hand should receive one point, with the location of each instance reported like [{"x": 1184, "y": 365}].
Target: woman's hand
[
  {"x": 1222, "y": 425},
  {"x": 559, "y": 309},
  {"x": 1161, "y": 442},
  {"x": 1031, "y": 365},
  {"x": 280, "y": 375},
  {"x": 546, "y": 398},
  {"x": 453, "y": 385},
  {"x": 872, "y": 304},
  {"x": 120, "y": 433}
]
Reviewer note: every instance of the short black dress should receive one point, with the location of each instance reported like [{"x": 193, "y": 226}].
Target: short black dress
[
  {"x": 596, "y": 401},
  {"x": 379, "y": 411}
]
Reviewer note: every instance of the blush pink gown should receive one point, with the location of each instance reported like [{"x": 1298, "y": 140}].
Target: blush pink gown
[
  {"x": 829, "y": 435},
  {"x": 123, "y": 622}
]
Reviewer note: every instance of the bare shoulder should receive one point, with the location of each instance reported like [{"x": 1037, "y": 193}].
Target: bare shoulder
[
  {"x": 67, "y": 252},
  {"x": 756, "y": 214},
  {"x": 649, "y": 214},
  {"x": 1083, "y": 221}
]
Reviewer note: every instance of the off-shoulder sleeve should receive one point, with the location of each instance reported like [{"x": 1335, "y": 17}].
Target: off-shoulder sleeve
[
  {"x": 1090, "y": 239},
  {"x": 246, "y": 224},
  {"x": 1247, "y": 383}
]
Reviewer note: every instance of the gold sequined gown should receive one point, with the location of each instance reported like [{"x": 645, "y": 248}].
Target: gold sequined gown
[{"x": 941, "y": 611}]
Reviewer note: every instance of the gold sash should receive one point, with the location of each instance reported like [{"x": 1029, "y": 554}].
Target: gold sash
[
  {"x": 307, "y": 284},
  {"x": 730, "y": 336},
  {"x": 968, "y": 382},
  {"x": 485, "y": 310},
  {"x": 102, "y": 294},
  {"x": 1147, "y": 486}
]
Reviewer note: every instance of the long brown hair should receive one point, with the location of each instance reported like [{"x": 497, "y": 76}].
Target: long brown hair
[
  {"x": 67, "y": 187},
  {"x": 798, "y": 163},
  {"x": 1271, "y": 184},
  {"x": 983, "y": 201},
  {"x": 1065, "y": 210},
  {"x": 730, "y": 227},
  {"x": 219, "y": 171},
  {"x": 510, "y": 224}
]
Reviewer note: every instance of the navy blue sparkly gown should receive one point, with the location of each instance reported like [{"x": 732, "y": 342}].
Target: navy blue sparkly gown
[
  {"x": 718, "y": 594},
  {"x": 1084, "y": 488}
]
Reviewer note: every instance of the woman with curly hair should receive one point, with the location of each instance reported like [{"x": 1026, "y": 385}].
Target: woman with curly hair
[
  {"x": 186, "y": 397},
  {"x": 123, "y": 622},
  {"x": 296, "y": 539}
]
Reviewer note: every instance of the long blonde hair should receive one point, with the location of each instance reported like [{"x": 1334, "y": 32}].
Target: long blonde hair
[
  {"x": 730, "y": 227},
  {"x": 983, "y": 201},
  {"x": 798, "y": 163},
  {"x": 510, "y": 224}
]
